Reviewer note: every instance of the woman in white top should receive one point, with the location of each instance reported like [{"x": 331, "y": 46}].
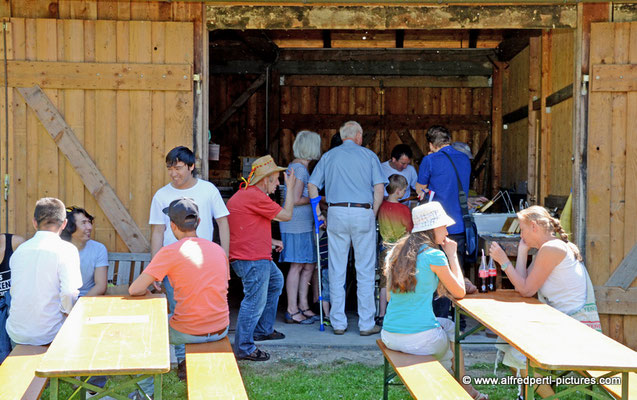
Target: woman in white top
[{"x": 556, "y": 274}]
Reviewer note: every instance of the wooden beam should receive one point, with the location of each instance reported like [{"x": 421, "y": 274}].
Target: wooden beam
[
  {"x": 625, "y": 12},
  {"x": 354, "y": 67},
  {"x": 431, "y": 55},
  {"x": 109, "y": 76},
  {"x": 535, "y": 51},
  {"x": 545, "y": 117},
  {"x": 93, "y": 179},
  {"x": 238, "y": 103},
  {"x": 399, "y": 122},
  {"x": 496, "y": 127},
  {"x": 386, "y": 81},
  {"x": 552, "y": 100},
  {"x": 406, "y": 137},
  {"x": 516, "y": 115},
  {"x": 626, "y": 271},
  {"x": 614, "y": 78},
  {"x": 383, "y": 17},
  {"x": 612, "y": 300}
]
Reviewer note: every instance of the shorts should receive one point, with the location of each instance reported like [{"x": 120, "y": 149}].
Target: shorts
[
  {"x": 434, "y": 342},
  {"x": 298, "y": 248}
]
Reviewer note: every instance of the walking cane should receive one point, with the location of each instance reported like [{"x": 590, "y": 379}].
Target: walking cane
[{"x": 314, "y": 202}]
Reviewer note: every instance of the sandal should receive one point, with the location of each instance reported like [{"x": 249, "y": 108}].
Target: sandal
[
  {"x": 480, "y": 396},
  {"x": 256, "y": 355},
  {"x": 289, "y": 319},
  {"x": 275, "y": 335},
  {"x": 313, "y": 317}
]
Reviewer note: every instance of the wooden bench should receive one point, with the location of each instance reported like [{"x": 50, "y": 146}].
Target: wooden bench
[
  {"x": 423, "y": 376},
  {"x": 17, "y": 373},
  {"x": 213, "y": 372},
  {"x": 123, "y": 269},
  {"x": 616, "y": 390}
]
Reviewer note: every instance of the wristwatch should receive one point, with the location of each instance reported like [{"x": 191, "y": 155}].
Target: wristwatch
[{"x": 506, "y": 265}]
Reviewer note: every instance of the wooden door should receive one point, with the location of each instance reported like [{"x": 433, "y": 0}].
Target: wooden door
[
  {"x": 611, "y": 218},
  {"x": 124, "y": 88}
]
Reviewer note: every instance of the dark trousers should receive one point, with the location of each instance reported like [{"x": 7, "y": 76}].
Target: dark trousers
[{"x": 442, "y": 305}]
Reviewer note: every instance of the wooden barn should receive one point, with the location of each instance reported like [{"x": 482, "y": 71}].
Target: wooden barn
[{"x": 544, "y": 92}]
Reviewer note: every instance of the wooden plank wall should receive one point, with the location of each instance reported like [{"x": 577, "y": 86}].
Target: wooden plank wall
[
  {"x": 612, "y": 151},
  {"x": 244, "y": 133},
  {"x": 514, "y": 138},
  {"x": 127, "y": 133}
]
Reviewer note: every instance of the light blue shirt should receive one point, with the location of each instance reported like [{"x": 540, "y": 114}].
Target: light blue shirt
[
  {"x": 409, "y": 173},
  {"x": 349, "y": 173},
  {"x": 413, "y": 312},
  {"x": 92, "y": 256},
  {"x": 302, "y": 219}
]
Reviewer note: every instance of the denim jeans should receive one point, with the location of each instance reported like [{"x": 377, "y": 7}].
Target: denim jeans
[
  {"x": 180, "y": 338},
  {"x": 5, "y": 341},
  {"x": 180, "y": 349},
  {"x": 262, "y": 286}
]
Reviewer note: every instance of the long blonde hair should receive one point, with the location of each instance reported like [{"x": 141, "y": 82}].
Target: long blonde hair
[{"x": 541, "y": 216}]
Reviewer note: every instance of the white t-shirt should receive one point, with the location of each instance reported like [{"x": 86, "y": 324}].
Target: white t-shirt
[
  {"x": 409, "y": 173},
  {"x": 45, "y": 278},
  {"x": 92, "y": 256},
  {"x": 208, "y": 200}
]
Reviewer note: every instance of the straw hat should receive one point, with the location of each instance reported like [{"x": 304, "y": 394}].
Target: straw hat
[
  {"x": 262, "y": 167},
  {"x": 429, "y": 216}
]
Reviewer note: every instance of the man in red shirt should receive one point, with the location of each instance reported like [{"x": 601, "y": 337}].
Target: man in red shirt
[
  {"x": 198, "y": 271},
  {"x": 251, "y": 215}
]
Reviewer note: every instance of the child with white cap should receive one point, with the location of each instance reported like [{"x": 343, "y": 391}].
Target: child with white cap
[{"x": 415, "y": 269}]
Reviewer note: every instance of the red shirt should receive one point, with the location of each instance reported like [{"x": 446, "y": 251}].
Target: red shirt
[
  {"x": 251, "y": 214},
  {"x": 394, "y": 220},
  {"x": 198, "y": 271}
]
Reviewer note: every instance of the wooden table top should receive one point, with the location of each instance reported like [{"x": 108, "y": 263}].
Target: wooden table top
[
  {"x": 548, "y": 337},
  {"x": 111, "y": 335}
]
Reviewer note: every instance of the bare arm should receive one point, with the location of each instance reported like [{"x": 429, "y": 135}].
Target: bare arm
[
  {"x": 224, "y": 234},
  {"x": 451, "y": 276},
  {"x": 379, "y": 190},
  {"x": 288, "y": 206},
  {"x": 156, "y": 238},
  {"x": 16, "y": 241},
  {"x": 141, "y": 284},
  {"x": 420, "y": 190},
  {"x": 100, "y": 282}
]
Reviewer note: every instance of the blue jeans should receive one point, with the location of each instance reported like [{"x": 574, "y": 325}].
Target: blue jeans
[
  {"x": 5, "y": 341},
  {"x": 262, "y": 286},
  {"x": 180, "y": 338},
  {"x": 180, "y": 349}
]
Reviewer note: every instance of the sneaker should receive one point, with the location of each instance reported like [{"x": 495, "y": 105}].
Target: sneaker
[
  {"x": 256, "y": 355},
  {"x": 379, "y": 321},
  {"x": 339, "y": 331},
  {"x": 181, "y": 371},
  {"x": 275, "y": 335},
  {"x": 374, "y": 330}
]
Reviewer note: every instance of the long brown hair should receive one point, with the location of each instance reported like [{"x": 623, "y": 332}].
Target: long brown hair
[
  {"x": 541, "y": 216},
  {"x": 400, "y": 264}
]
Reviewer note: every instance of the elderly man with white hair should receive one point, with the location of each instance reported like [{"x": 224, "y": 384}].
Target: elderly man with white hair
[{"x": 354, "y": 183}]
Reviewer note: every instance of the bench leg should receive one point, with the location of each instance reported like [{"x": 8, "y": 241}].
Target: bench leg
[
  {"x": 456, "y": 344},
  {"x": 530, "y": 389},
  {"x": 158, "y": 382},
  {"x": 53, "y": 389}
]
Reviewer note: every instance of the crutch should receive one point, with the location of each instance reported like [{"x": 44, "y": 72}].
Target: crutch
[{"x": 314, "y": 203}]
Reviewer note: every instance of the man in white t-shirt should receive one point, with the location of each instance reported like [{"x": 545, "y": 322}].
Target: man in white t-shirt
[
  {"x": 400, "y": 163},
  {"x": 93, "y": 254},
  {"x": 180, "y": 162},
  {"x": 45, "y": 278}
]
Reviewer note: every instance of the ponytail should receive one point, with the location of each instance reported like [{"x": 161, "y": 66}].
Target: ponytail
[{"x": 542, "y": 217}]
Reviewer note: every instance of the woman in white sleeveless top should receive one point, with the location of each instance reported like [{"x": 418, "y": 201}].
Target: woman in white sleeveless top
[{"x": 556, "y": 274}]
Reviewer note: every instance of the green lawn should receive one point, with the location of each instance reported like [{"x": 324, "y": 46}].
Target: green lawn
[{"x": 294, "y": 380}]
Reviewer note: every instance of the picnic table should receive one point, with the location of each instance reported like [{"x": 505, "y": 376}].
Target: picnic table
[
  {"x": 554, "y": 343},
  {"x": 110, "y": 335}
]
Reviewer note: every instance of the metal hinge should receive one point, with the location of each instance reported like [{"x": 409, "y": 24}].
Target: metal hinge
[
  {"x": 6, "y": 187},
  {"x": 584, "y": 90},
  {"x": 6, "y": 25},
  {"x": 196, "y": 77}
]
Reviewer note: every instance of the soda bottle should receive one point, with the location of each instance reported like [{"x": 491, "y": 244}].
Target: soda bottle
[
  {"x": 493, "y": 272},
  {"x": 483, "y": 274}
]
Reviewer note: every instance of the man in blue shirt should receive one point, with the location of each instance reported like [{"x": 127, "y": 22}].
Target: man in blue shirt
[
  {"x": 438, "y": 174},
  {"x": 354, "y": 184}
]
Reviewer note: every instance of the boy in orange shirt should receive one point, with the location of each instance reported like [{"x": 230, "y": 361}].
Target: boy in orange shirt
[{"x": 198, "y": 270}]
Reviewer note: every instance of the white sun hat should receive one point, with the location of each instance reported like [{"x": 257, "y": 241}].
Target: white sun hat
[{"x": 429, "y": 216}]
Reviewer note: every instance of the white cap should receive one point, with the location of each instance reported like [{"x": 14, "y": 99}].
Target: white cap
[{"x": 429, "y": 216}]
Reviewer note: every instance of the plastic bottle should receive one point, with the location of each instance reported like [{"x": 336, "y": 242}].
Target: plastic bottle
[
  {"x": 483, "y": 275},
  {"x": 493, "y": 272}
]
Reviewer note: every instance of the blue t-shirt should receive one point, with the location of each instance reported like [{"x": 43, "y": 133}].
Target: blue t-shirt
[
  {"x": 437, "y": 172},
  {"x": 92, "y": 256},
  {"x": 302, "y": 219},
  {"x": 413, "y": 312}
]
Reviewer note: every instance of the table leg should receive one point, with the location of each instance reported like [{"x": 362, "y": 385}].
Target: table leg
[
  {"x": 624, "y": 385},
  {"x": 158, "y": 382},
  {"x": 530, "y": 389},
  {"x": 456, "y": 344},
  {"x": 385, "y": 379},
  {"x": 53, "y": 389}
]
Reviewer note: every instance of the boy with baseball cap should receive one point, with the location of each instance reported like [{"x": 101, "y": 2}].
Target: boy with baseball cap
[{"x": 199, "y": 272}]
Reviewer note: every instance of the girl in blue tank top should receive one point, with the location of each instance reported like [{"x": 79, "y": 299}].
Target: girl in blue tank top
[{"x": 416, "y": 268}]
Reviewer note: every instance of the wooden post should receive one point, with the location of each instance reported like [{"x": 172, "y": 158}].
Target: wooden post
[
  {"x": 496, "y": 127},
  {"x": 545, "y": 118},
  {"x": 534, "y": 94}
]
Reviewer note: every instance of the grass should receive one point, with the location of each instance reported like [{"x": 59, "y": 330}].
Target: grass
[{"x": 294, "y": 380}]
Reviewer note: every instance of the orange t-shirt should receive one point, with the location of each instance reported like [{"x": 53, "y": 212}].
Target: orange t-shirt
[{"x": 198, "y": 271}]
